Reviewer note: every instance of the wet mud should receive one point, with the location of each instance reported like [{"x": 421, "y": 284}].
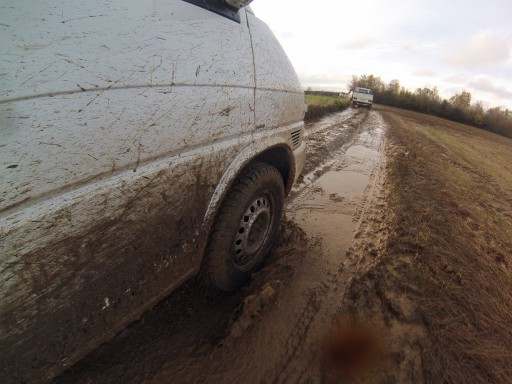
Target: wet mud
[{"x": 272, "y": 330}]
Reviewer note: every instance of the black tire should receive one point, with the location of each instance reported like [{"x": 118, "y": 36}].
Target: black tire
[{"x": 245, "y": 227}]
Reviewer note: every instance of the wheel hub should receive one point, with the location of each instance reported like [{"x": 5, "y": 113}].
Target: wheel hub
[{"x": 253, "y": 230}]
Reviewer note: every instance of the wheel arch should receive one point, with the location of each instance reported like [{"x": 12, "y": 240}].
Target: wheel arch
[
  {"x": 244, "y": 228},
  {"x": 281, "y": 158},
  {"x": 277, "y": 153}
]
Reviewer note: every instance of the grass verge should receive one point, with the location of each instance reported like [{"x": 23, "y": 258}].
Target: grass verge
[
  {"x": 442, "y": 282},
  {"x": 319, "y": 106}
]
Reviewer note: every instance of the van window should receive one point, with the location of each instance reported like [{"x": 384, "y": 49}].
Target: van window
[{"x": 219, "y": 7}]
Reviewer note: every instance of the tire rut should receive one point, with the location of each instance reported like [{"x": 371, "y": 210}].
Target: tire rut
[{"x": 323, "y": 143}]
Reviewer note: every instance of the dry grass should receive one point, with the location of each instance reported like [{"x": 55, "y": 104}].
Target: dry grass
[{"x": 447, "y": 264}]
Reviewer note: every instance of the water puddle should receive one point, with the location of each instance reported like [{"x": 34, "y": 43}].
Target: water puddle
[
  {"x": 331, "y": 193},
  {"x": 362, "y": 152},
  {"x": 326, "y": 210},
  {"x": 346, "y": 184}
]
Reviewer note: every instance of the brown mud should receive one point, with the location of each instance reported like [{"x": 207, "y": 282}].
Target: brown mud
[{"x": 274, "y": 328}]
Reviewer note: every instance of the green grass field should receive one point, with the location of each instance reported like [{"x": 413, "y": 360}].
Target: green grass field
[{"x": 319, "y": 106}]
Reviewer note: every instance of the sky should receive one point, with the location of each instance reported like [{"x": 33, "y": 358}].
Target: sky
[{"x": 454, "y": 45}]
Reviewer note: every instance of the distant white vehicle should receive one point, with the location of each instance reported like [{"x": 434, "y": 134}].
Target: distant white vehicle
[{"x": 362, "y": 97}]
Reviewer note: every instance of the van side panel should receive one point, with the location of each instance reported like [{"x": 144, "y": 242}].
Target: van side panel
[
  {"x": 279, "y": 95},
  {"x": 117, "y": 121},
  {"x": 89, "y": 73},
  {"x": 72, "y": 292}
]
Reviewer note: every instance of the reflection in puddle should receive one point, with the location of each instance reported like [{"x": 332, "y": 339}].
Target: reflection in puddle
[
  {"x": 332, "y": 192},
  {"x": 360, "y": 151},
  {"x": 334, "y": 228},
  {"x": 329, "y": 208},
  {"x": 343, "y": 183}
]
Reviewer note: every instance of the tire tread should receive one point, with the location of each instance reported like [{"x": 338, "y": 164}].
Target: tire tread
[{"x": 215, "y": 272}]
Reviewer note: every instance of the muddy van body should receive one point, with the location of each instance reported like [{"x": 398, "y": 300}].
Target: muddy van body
[{"x": 135, "y": 135}]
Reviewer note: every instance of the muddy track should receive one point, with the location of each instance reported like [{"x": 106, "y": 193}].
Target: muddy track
[
  {"x": 329, "y": 135},
  {"x": 270, "y": 330}
]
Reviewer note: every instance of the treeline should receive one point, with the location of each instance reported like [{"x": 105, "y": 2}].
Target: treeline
[{"x": 458, "y": 108}]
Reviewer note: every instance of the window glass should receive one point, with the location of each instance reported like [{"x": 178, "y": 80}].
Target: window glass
[{"x": 219, "y": 7}]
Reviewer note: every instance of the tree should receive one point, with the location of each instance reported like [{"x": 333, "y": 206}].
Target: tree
[
  {"x": 368, "y": 81},
  {"x": 427, "y": 100},
  {"x": 498, "y": 120},
  {"x": 353, "y": 83},
  {"x": 477, "y": 113},
  {"x": 457, "y": 108},
  {"x": 394, "y": 87},
  {"x": 461, "y": 100}
]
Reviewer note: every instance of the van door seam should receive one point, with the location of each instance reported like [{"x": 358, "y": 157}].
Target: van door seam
[{"x": 253, "y": 65}]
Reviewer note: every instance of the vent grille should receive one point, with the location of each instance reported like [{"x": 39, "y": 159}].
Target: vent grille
[{"x": 295, "y": 139}]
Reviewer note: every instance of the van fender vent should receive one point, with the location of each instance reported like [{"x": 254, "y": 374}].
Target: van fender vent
[{"x": 296, "y": 138}]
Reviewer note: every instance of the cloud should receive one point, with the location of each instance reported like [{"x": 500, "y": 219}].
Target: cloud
[
  {"x": 486, "y": 85},
  {"x": 480, "y": 50},
  {"x": 318, "y": 79},
  {"x": 424, "y": 73},
  {"x": 286, "y": 35},
  {"x": 362, "y": 42},
  {"x": 457, "y": 79},
  {"x": 326, "y": 82}
]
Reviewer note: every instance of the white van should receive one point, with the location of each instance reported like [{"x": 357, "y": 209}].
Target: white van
[
  {"x": 141, "y": 142},
  {"x": 362, "y": 97}
]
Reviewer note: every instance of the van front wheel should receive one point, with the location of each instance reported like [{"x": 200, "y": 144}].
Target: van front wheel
[{"x": 245, "y": 227}]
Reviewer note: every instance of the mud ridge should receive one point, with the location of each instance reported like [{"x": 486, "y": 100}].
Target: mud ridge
[{"x": 368, "y": 299}]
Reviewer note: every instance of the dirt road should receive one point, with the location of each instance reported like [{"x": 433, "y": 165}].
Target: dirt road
[{"x": 271, "y": 330}]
